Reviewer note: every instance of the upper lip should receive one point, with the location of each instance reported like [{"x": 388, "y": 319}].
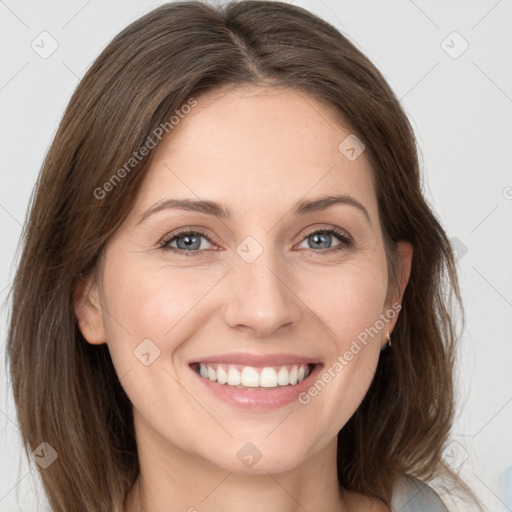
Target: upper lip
[{"x": 256, "y": 360}]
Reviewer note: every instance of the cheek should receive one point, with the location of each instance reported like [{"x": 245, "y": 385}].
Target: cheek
[
  {"x": 148, "y": 311},
  {"x": 360, "y": 302},
  {"x": 150, "y": 303},
  {"x": 349, "y": 300},
  {"x": 350, "y": 306}
]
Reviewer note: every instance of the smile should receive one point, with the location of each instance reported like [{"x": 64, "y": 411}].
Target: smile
[
  {"x": 256, "y": 382},
  {"x": 244, "y": 377}
]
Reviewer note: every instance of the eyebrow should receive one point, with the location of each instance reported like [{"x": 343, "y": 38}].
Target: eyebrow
[{"x": 303, "y": 207}]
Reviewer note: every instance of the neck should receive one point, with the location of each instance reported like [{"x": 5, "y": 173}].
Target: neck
[{"x": 169, "y": 475}]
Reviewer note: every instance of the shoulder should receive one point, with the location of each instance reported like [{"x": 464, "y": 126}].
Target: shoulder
[
  {"x": 409, "y": 495},
  {"x": 413, "y": 495}
]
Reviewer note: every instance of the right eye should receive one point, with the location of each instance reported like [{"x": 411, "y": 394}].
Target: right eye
[{"x": 187, "y": 241}]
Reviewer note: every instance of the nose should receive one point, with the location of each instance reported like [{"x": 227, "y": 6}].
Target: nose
[{"x": 261, "y": 299}]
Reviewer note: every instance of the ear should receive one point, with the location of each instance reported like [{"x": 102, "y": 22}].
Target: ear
[
  {"x": 86, "y": 302},
  {"x": 405, "y": 253}
]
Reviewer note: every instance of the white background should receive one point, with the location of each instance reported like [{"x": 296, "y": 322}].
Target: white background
[{"x": 461, "y": 109}]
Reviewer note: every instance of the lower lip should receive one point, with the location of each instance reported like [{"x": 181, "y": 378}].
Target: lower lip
[{"x": 259, "y": 399}]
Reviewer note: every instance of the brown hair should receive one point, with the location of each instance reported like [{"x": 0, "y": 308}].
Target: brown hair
[{"x": 142, "y": 77}]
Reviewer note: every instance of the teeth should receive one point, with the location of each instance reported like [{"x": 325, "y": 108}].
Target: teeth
[
  {"x": 268, "y": 378},
  {"x": 222, "y": 376},
  {"x": 250, "y": 377},
  {"x": 282, "y": 377},
  {"x": 293, "y": 375},
  {"x": 233, "y": 377}
]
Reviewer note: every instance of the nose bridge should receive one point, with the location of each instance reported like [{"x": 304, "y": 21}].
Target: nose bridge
[{"x": 260, "y": 297}]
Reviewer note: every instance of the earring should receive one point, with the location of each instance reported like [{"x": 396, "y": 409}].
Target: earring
[{"x": 389, "y": 338}]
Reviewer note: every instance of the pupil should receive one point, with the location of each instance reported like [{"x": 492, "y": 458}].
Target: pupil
[
  {"x": 321, "y": 238},
  {"x": 189, "y": 242}
]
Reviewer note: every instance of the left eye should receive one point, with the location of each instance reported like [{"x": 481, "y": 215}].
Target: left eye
[{"x": 323, "y": 239}]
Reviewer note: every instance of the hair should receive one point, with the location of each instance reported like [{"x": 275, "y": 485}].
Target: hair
[{"x": 66, "y": 390}]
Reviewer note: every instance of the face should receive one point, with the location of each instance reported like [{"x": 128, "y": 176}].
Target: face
[{"x": 244, "y": 321}]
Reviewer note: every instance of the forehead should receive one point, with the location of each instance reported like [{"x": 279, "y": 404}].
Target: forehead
[{"x": 253, "y": 148}]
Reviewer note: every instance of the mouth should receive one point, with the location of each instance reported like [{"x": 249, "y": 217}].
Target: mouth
[
  {"x": 255, "y": 382},
  {"x": 254, "y": 378}
]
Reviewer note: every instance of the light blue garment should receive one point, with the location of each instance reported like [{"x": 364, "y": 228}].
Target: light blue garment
[
  {"x": 413, "y": 495},
  {"x": 506, "y": 488}
]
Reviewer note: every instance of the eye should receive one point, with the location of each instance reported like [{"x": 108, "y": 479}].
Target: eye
[
  {"x": 322, "y": 239},
  {"x": 186, "y": 241}
]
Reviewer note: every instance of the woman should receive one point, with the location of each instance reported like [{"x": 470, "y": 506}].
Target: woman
[{"x": 232, "y": 293}]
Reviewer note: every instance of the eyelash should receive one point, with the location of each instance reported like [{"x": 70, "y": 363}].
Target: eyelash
[{"x": 340, "y": 235}]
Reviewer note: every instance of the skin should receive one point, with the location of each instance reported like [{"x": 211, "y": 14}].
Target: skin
[{"x": 257, "y": 151}]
